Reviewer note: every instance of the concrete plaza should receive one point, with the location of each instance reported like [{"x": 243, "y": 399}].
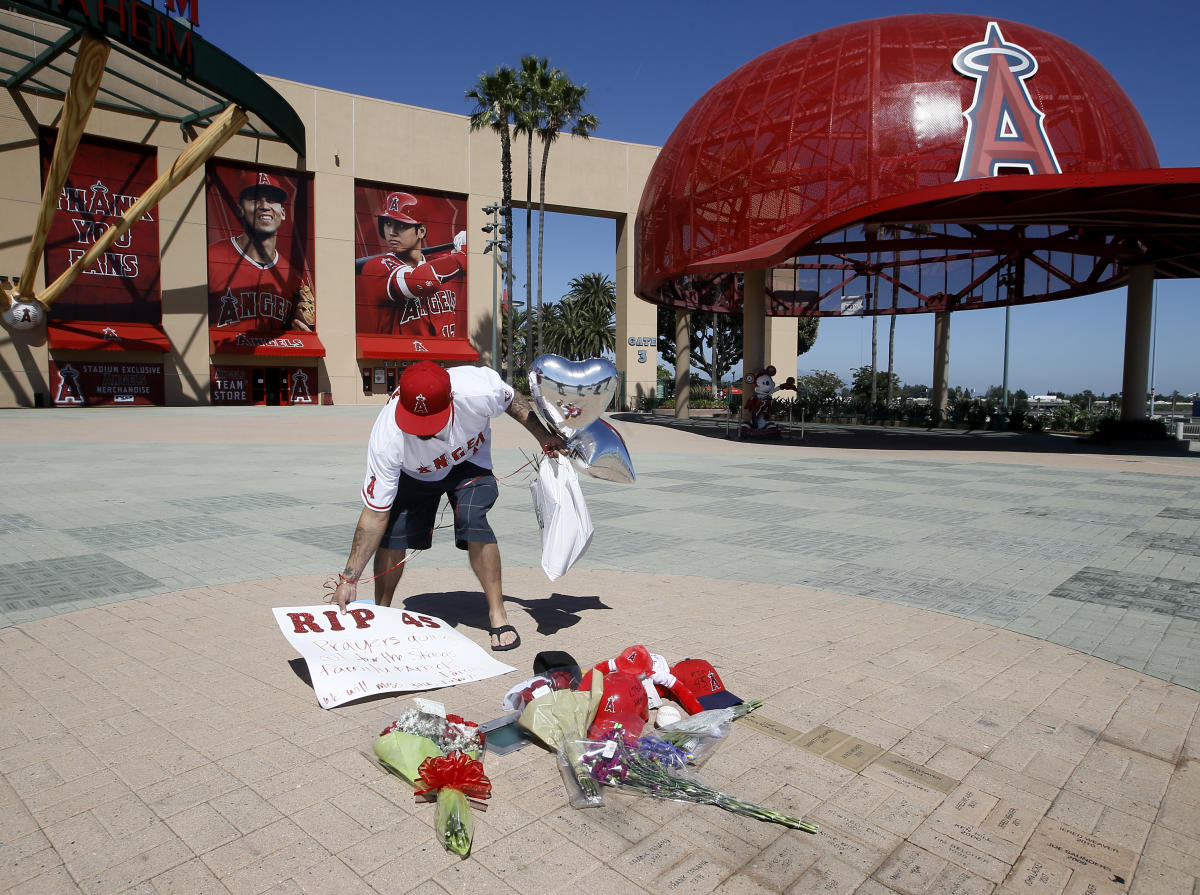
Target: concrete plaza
[{"x": 978, "y": 654}]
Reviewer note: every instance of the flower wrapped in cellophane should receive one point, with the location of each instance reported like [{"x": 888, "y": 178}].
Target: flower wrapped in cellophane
[
  {"x": 651, "y": 768},
  {"x": 560, "y": 719},
  {"x": 455, "y": 778},
  {"x": 701, "y": 733},
  {"x": 439, "y": 756}
]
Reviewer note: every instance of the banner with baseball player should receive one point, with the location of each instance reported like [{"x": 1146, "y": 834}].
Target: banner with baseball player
[
  {"x": 122, "y": 285},
  {"x": 410, "y": 262},
  {"x": 260, "y": 251}
]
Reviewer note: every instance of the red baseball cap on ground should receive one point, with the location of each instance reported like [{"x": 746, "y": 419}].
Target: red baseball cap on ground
[
  {"x": 263, "y": 183},
  {"x": 424, "y": 404},
  {"x": 623, "y": 704},
  {"x": 701, "y": 678}
]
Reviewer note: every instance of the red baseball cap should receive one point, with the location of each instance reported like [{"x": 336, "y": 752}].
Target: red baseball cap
[
  {"x": 701, "y": 678},
  {"x": 424, "y": 404},
  {"x": 394, "y": 205},
  {"x": 623, "y": 704},
  {"x": 264, "y": 183}
]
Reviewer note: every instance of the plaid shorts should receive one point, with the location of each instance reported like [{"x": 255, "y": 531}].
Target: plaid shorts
[{"x": 472, "y": 491}]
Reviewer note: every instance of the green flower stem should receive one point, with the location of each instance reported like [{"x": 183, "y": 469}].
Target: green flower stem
[
  {"x": 648, "y": 776},
  {"x": 453, "y": 821}
]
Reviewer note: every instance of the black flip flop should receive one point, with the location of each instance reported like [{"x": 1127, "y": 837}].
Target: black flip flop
[{"x": 506, "y": 646}]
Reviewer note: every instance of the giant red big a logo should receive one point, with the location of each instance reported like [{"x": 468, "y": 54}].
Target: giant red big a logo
[{"x": 1005, "y": 133}]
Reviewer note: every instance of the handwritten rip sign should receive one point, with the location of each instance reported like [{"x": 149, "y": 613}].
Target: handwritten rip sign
[{"x": 380, "y": 649}]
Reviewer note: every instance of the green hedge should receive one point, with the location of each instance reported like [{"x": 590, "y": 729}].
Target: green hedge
[{"x": 1132, "y": 430}]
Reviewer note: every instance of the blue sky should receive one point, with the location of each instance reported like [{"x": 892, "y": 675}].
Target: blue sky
[{"x": 646, "y": 63}]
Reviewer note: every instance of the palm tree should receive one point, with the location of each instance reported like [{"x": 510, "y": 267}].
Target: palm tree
[
  {"x": 533, "y": 82},
  {"x": 582, "y": 324},
  {"x": 496, "y": 96},
  {"x": 563, "y": 108}
]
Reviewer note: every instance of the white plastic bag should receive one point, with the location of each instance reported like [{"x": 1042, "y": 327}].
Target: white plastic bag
[{"x": 561, "y": 514}]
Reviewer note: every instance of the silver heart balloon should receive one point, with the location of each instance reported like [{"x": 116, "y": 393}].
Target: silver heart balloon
[
  {"x": 570, "y": 395},
  {"x": 599, "y": 450}
]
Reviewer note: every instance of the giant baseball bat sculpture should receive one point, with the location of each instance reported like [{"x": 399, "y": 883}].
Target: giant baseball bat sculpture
[
  {"x": 90, "y": 60},
  {"x": 210, "y": 140}
]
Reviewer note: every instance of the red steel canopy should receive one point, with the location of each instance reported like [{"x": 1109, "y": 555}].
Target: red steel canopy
[{"x": 838, "y": 160}]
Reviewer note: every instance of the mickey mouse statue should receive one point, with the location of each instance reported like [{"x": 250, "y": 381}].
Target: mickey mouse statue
[{"x": 759, "y": 424}]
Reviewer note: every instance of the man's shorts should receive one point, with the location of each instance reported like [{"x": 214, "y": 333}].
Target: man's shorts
[{"x": 472, "y": 491}]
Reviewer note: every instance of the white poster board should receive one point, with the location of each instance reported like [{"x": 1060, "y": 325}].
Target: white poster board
[{"x": 380, "y": 649}]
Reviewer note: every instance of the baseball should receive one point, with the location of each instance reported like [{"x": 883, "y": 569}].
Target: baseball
[
  {"x": 667, "y": 714},
  {"x": 24, "y": 315}
]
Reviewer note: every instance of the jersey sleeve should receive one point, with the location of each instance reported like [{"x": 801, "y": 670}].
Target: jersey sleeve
[
  {"x": 490, "y": 395},
  {"x": 385, "y": 457}
]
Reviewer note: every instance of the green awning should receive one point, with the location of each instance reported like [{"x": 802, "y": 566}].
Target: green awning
[{"x": 158, "y": 67}]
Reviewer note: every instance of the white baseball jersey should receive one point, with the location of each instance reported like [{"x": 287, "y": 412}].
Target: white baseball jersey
[{"x": 479, "y": 394}]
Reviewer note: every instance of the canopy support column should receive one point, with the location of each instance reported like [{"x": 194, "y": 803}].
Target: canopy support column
[
  {"x": 941, "y": 364},
  {"x": 1139, "y": 307},
  {"x": 683, "y": 364}
]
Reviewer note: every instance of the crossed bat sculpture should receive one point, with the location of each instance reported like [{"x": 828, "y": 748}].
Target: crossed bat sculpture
[{"x": 569, "y": 397}]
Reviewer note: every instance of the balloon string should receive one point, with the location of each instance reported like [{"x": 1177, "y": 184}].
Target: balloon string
[{"x": 331, "y": 584}]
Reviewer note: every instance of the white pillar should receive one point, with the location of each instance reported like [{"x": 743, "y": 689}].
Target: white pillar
[
  {"x": 637, "y": 326},
  {"x": 754, "y": 326}
]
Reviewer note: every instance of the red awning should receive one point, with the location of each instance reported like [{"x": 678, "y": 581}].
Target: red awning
[
  {"x": 88, "y": 335},
  {"x": 288, "y": 344},
  {"x": 416, "y": 348}
]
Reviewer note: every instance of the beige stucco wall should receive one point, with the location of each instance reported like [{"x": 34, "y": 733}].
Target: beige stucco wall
[{"x": 348, "y": 137}]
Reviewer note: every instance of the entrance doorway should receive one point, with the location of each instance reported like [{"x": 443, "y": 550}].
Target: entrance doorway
[{"x": 268, "y": 386}]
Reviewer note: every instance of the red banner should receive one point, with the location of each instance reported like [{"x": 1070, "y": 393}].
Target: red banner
[
  {"x": 100, "y": 384},
  {"x": 410, "y": 275},
  {"x": 122, "y": 285},
  {"x": 260, "y": 251}
]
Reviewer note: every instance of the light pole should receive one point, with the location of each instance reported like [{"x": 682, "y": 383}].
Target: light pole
[
  {"x": 496, "y": 232},
  {"x": 1153, "y": 343}
]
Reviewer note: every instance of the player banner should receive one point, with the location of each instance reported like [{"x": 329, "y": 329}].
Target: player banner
[
  {"x": 381, "y": 649},
  {"x": 410, "y": 269},
  {"x": 122, "y": 285},
  {"x": 260, "y": 235}
]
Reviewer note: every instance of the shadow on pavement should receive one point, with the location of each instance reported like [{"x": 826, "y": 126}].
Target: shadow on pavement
[{"x": 905, "y": 438}]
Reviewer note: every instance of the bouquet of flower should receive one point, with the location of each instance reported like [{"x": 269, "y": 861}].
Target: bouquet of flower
[
  {"x": 651, "y": 769},
  {"x": 439, "y": 757},
  {"x": 701, "y": 733},
  {"x": 560, "y": 719},
  {"x": 455, "y": 778}
]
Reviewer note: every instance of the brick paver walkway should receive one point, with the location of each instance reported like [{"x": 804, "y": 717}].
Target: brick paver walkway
[{"x": 977, "y": 655}]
